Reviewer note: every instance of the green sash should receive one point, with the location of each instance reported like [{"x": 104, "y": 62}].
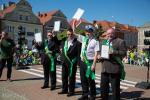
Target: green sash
[
  {"x": 71, "y": 62},
  {"x": 89, "y": 73},
  {"x": 117, "y": 59},
  {"x": 50, "y": 57}
]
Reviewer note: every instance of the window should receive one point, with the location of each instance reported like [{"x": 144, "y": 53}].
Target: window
[
  {"x": 36, "y": 30},
  {"x": 20, "y": 17},
  {"x": 27, "y": 18},
  {"x": 30, "y": 34},
  {"x": 23, "y": 29},
  {"x": 13, "y": 29},
  {"x": 10, "y": 28}
]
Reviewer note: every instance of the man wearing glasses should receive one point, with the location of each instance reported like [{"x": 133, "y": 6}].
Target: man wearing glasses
[
  {"x": 112, "y": 67},
  {"x": 48, "y": 50}
]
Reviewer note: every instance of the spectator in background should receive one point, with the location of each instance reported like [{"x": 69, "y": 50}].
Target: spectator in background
[{"x": 7, "y": 46}]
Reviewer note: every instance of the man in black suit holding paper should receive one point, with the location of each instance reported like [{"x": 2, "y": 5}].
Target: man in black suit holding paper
[{"x": 48, "y": 50}]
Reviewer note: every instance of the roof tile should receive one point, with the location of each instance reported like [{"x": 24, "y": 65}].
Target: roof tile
[{"x": 45, "y": 17}]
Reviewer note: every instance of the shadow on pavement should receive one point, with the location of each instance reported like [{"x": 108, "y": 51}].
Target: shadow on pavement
[
  {"x": 2, "y": 80},
  {"x": 78, "y": 93},
  {"x": 142, "y": 99},
  {"x": 27, "y": 79},
  {"x": 134, "y": 95}
]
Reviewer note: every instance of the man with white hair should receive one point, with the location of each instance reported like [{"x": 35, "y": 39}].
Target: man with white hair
[{"x": 112, "y": 67}]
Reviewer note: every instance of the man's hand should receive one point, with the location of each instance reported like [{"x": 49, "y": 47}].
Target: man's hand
[
  {"x": 38, "y": 44},
  {"x": 93, "y": 68},
  {"x": 111, "y": 51},
  {"x": 99, "y": 56},
  {"x": 61, "y": 50},
  {"x": 2, "y": 37}
]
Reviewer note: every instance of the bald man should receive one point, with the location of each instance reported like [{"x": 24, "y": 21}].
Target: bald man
[{"x": 112, "y": 67}]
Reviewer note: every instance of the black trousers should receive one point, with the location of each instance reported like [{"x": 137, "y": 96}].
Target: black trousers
[
  {"x": 9, "y": 66},
  {"x": 86, "y": 82},
  {"x": 66, "y": 76},
  {"x": 46, "y": 62},
  {"x": 114, "y": 79}
]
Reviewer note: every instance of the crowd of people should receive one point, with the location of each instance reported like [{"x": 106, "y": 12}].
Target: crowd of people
[
  {"x": 28, "y": 57},
  {"x": 76, "y": 50},
  {"x": 135, "y": 57}
]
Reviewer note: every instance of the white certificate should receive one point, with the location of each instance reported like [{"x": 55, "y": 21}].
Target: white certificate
[
  {"x": 38, "y": 37},
  {"x": 56, "y": 25},
  {"x": 78, "y": 14},
  {"x": 105, "y": 51}
]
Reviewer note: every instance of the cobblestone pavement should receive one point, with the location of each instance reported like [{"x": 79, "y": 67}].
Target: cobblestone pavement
[{"x": 26, "y": 85}]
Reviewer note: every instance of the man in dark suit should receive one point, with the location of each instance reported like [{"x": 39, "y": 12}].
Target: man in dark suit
[
  {"x": 112, "y": 67},
  {"x": 48, "y": 50},
  {"x": 69, "y": 63}
]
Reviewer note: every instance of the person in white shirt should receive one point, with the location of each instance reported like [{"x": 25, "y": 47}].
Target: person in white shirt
[{"x": 89, "y": 53}]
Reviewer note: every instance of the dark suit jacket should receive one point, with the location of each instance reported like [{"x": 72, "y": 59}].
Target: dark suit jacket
[
  {"x": 110, "y": 65},
  {"x": 52, "y": 46},
  {"x": 73, "y": 51}
]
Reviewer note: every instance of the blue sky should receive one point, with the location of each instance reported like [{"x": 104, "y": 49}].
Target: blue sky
[{"x": 132, "y": 12}]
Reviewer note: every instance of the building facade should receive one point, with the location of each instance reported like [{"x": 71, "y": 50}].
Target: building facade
[
  {"x": 20, "y": 14},
  {"x": 141, "y": 36},
  {"x": 126, "y": 32},
  {"x": 47, "y": 19}
]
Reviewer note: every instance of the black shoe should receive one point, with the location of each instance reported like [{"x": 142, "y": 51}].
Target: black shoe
[
  {"x": 53, "y": 88},
  {"x": 83, "y": 98},
  {"x": 92, "y": 97},
  {"x": 70, "y": 94},
  {"x": 44, "y": 87},
  {"x": 63, "y": 92}
]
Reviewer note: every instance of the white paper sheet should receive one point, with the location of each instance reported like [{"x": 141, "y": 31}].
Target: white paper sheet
[
  {"x": 56, "y": 25},
  {"x": 78, "y": 14},
  {"x": 38, "y": 37},
  {"x": 105, "y": 51}
]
